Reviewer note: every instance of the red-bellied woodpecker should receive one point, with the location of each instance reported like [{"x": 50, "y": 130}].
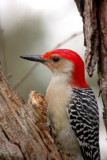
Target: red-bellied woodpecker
[{"x": 72, "y": 108}]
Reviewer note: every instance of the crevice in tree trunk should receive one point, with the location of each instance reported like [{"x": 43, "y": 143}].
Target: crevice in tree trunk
[{"x": 7, "y": 137}]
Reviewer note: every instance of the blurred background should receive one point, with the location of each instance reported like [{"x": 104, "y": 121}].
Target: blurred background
[{"x": 31, "y": 27}]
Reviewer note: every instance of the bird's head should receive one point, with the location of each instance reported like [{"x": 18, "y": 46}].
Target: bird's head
[{"x": 66, "y": 62}]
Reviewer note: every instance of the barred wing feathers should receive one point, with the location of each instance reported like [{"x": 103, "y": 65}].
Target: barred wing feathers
[{"x": 84, "y": 120}]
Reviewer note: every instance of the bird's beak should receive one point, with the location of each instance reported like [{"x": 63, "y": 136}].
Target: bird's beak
[{"x": 36, "y": 58}]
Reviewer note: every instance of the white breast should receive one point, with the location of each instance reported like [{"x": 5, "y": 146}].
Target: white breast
[{"x": 58, "y": 94}]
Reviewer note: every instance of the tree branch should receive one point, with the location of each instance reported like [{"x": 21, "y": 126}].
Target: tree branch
[
  {"x": 68, "y": 39},
  {"x": 25, "y": 76},
  {"x": 95, "y": 37},
  {"x": 21, "y": 134},
  {"x": 3, "y": 48}
]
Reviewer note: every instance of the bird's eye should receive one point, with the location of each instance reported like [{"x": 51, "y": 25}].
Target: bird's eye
[{"x": 55, "y": 59}]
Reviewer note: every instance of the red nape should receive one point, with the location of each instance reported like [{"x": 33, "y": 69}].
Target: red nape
[{"x": 78, "y": 76}]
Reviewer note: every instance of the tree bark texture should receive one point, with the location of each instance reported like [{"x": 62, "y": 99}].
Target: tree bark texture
[
  {"x": 22, "y": 135},
  {"x": 94, "y": 14}
]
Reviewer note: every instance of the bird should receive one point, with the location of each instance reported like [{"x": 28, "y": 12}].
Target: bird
[{"x": 72, "y": 114}]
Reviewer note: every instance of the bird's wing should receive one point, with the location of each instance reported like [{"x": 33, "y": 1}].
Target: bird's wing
[{"x": 84, "y": 119}]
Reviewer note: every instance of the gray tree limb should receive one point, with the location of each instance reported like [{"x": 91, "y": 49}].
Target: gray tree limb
[
  {"x": 94, "y": 14},
  {"x": 22, "y": 135}
]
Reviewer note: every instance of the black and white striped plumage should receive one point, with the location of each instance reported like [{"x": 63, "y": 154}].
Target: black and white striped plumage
[
  {"x": 84, "y": 120},
  {"x": 80, "y": 125}
]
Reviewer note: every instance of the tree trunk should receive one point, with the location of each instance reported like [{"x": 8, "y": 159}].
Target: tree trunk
[
  {"x": 94, "y": 14},
  {"x": 22, "y": 135}
]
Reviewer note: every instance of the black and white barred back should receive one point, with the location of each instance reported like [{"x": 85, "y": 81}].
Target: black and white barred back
[{"x": 84, "y": 119}]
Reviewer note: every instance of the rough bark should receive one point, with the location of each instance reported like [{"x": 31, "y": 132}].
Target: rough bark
[
  {"x": 102, "y": 65},
  {"x": 94, "y": 14},
  {"x": 22, "y": 135}
]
